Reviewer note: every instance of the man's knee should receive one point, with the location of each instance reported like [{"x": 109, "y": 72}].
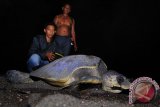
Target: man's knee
[{"x": 34, "y": 59}]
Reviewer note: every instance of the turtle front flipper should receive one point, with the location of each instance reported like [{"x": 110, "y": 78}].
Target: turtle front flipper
[
  {"x": 90, "y": 79},
  {"x": 109, "y": 89}
]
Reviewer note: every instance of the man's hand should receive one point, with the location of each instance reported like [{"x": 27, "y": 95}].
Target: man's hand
[
  {"x": 50, "y": 56},
  {"x": 74, "y": 44},
  {"x": 75, "y": 48}
]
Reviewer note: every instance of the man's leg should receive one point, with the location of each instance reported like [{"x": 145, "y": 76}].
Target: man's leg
[
  {"x": 67, "y": 47},
  {"x": 58, "y": 44},
  {"x": 34, "y": 61},
  {"x": 44, "y": 62}
]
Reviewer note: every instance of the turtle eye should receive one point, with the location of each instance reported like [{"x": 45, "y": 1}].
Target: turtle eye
[{"x": 120, "y": 79}]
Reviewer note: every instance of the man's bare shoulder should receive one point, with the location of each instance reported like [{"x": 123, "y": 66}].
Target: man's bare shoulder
[{"x": 58, "y": 16}]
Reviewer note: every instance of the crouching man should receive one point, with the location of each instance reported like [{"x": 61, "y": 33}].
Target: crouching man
[{"x": 42, "y": 48}]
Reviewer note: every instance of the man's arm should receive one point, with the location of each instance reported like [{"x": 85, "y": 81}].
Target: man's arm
[
  {"x": 55, "y": 20},
  {"x": 74, "y": 35},
  {"x": 35, "y": 49}
]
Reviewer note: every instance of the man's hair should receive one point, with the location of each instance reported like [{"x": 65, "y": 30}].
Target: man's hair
[
  {"x": 64, "y": 4},
  {"x": 50, "y": 24}
]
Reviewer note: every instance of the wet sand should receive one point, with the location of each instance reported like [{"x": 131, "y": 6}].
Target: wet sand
[{"x": 40, "y": 94}]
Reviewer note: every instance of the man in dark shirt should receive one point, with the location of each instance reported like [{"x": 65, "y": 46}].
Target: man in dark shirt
[{"x": 42, "y": 49}]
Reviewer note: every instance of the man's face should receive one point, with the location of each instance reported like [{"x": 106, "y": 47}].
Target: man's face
[
  {"x": 66, "y": 9},
  {"x": 50, "y": 31}
]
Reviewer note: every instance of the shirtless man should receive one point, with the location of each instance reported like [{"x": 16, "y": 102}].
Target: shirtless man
[{"x": 65, "y": 31}]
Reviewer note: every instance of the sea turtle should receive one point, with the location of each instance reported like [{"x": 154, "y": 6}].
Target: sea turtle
[{"x": 75, "y": 69}]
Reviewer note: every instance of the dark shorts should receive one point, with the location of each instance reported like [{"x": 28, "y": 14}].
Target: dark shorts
[{"x": 63, "y": 44}]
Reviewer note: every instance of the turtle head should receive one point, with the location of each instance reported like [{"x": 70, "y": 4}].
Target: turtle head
[{"x": 114, "y": 82}]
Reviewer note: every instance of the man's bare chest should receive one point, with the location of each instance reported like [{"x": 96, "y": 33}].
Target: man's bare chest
[{"x": 64, "y": 21}]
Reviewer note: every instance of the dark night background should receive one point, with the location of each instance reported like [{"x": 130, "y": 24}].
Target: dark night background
[{"x": 124, "y": 33}]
